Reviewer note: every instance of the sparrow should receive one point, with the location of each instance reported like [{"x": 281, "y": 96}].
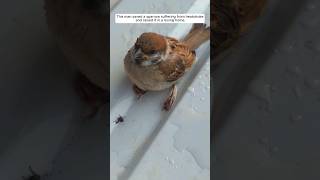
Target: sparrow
[
  {"x": 80, "y": 29},
  {"x": 232, "y": 19},
  {"x": 156, "y": 62}
]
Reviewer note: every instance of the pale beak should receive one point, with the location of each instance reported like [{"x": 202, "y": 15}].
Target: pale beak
[{"x": 139, "y": 57}]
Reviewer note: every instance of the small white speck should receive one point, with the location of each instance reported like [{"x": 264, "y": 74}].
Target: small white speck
[
  {"x": 192, "y": 91},
  {"x": 195, "y": 109}
]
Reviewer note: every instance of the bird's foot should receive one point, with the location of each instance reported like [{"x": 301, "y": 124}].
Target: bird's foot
[
  {"x": 139, "y": 92},
  {"x": 170, "y": 99}
]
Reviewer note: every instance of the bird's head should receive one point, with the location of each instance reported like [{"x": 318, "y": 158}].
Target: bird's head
[{"x": 149, "y": 49}]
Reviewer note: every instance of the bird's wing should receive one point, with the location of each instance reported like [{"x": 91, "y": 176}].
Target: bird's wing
[
  {"x": 173, "y": 68},
  {"x": 198, "y": 34},
  {"x": 180, "y": 59}
]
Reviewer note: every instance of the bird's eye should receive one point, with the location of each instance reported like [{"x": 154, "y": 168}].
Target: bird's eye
[{"x": 152, "y": 52}]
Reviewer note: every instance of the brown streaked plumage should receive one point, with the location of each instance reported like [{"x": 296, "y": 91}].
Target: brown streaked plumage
[
  {"x": 176, "y": 66},
  {"x": 157, "y": 62}
]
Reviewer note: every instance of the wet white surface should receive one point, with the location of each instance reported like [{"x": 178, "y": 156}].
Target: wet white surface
[
  {"x": 183, "y": 144},
  {"x": 150, "y": 142}
]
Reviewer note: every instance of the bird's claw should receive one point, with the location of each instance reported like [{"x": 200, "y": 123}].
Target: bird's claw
[
  {"x": 170, "y": 99},
  {"x": 139, "y": 92}
]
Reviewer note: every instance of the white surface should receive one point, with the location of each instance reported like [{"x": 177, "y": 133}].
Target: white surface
[
  {"x": 150, "y": 143},
  {"x": 182, "y": 148}
]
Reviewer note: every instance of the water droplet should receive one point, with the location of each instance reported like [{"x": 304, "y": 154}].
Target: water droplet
[
  {"x": 202, "y": 99},
  {"x": 194, "y": 108},
  {"x": 192, "y": 91},
  {"x": 171, "y": 161}
]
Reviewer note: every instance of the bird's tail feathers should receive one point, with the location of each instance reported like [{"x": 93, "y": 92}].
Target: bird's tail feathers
[{"x": 198, "y": 34}]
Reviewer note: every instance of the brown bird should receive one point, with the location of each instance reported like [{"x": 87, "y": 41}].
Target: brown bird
[
  {"x": 157, "y": 62},
  {"x": 230, "y": 20},
  {"x": 80, "y": 28}
]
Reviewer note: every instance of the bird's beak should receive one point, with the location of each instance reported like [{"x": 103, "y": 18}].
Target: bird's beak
[{"x": 139, "y": 57}]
